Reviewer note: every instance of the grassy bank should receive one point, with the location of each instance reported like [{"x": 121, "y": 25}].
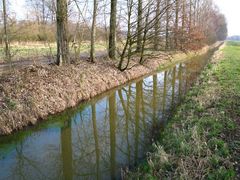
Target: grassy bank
[{"x": 202, "y": 140}]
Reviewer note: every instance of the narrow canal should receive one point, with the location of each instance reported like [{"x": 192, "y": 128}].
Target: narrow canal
[{"x": 99, "y": 138}]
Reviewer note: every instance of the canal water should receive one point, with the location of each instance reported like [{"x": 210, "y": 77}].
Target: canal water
[{"x": 100, "y": 138}]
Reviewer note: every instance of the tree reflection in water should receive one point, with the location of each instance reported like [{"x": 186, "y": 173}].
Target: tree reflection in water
[{"x": 98, "y": 138}]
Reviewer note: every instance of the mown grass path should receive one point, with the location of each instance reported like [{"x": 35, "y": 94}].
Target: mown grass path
[{"x": 202, "y": 141}]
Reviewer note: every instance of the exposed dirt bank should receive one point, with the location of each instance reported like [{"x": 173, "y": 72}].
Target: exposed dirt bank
[{"x": 33, "y": 93}]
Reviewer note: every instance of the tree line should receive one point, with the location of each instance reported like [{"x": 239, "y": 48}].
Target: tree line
[{"x": 129, "y": 27}]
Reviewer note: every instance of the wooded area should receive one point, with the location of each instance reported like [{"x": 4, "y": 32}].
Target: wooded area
[{"x": 127, "y": 27}]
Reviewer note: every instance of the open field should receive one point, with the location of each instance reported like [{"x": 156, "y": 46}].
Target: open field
[
  {"x": 30, "y": 50},
  {"x": 202, "y": 141}
]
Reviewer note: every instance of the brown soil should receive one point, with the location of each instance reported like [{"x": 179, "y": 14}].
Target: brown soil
[{"x": 33, "y": 93}]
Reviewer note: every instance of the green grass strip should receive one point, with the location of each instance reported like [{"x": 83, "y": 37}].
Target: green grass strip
[{"x": 202, "y": 140}]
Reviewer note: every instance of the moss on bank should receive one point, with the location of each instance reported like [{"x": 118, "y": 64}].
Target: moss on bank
[{"x": 202, "y": 140}]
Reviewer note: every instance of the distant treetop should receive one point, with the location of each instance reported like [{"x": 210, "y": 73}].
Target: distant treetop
[{"x": 234, "y": 38}]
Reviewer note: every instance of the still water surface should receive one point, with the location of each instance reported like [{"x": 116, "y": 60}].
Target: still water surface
[{"x": 99, "y": 138}]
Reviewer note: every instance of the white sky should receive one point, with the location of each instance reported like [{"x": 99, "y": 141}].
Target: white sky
[
  {"x": 18, "y": 8},
  {"x": 231, "y": 9}
]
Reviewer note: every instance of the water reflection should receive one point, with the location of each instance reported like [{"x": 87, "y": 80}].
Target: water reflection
[
  {"x": 95, "y": 133},
  {"x": 173, "y": 85},
  {"x": 97, "y": 139},
  {"x": 66, "y": 147},
  {"x": 112, "y": 123},
  {"x": 180, "y": 81}
]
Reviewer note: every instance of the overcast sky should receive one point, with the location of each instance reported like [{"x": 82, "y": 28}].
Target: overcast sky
[{"x": 231, "y": 9}]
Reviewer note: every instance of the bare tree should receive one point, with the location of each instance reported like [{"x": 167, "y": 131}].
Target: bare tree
[
  {"x": 41, "y": 9},
  {"x": 146, "y": 29},
  {"x": 139, "y": 26},
  {"x": 167, "y": 26},
  {"x": 157, "y": 26},
  {"x": 128, "y": 44},
  {"x": 6, "y": 39},
  {"x": 176, "y": 23},
  {"x": 183, "y": 23},
  {"x": 62, "y": 32},
  {"x": 112, "y": 33},
  {"x": 93, "y": 31},
  {"x": 190, "y": 17}
]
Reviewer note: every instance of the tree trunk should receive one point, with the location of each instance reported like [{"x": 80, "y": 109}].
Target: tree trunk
[
  {"x": 146, "y": 28},
  {"x": 62, "y": 33},
  {"x": 6, "y": 40},
  {"x": 176, "y": 24},
  {"x": 183, "y": 24},
  {"x": 128, "y": 44},
  {"x": 157, "y": 27},
  {"x": 194, "y": 12},
  {"x": 167, "y": 25},
  {"x": 112, "y": 33},
  {"x": 139, "y": 26},
  {"x": 190, "y": 17},
  {"x": 43, "y": 12},
  {"x": 93, "y": 32}
]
